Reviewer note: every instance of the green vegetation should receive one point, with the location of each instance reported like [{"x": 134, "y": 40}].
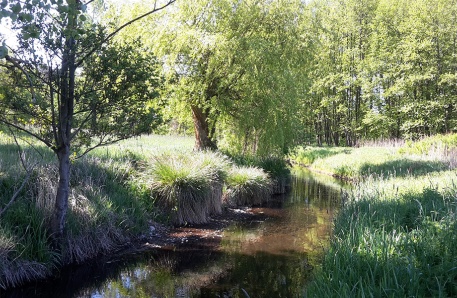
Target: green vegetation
[
  {"x": 189, "y": 186},
  {"x": 252, "y": 77},
  {"x": 396, "y": 233},
  {"x": 247, "y": 186},
  {"x": 414, "y": 158},
  {"x": 115, "y": 192}
]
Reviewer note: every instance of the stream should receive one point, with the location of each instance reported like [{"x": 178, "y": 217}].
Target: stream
[{"x": 272, "y": 257}]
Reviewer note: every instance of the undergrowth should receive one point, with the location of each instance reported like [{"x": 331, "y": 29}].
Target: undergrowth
[{"x": 115, "y": 192}]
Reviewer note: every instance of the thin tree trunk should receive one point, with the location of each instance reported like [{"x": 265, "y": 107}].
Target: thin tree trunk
[
  {"x": 202, "y": 136},
  {"x": 63, "y": 140},
  {"x": 63, "y": 188}
]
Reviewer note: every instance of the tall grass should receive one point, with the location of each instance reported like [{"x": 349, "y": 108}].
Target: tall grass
[
  {"x": 110, "y": 199},
  {"x": 358, "y": 163},
  {"x": 275, "y": 166},
  {"x": 104, "y": 211},
  {"x": 189, "y": 187},
  {"x": 395, "y": 238},
  {"x": 247, "y": 186}
]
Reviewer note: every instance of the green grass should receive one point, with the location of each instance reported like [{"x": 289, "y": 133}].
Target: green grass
[
  {"x": 115, "y": 191},
  {"x": 396, "y": 235},
  {"x": 247, "y": 186},
  {"x": 189, "y": 186},
  {"x": 395, "y": 238},
  {"x": 108, "y": 203},
  {"x": 276, "y": 167},
  {"x": 358, "y": 163}
]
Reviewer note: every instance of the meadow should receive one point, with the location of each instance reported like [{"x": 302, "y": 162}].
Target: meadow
[
  {"x": 396, "y": 234},
  {"x": 117, "y": 191}
]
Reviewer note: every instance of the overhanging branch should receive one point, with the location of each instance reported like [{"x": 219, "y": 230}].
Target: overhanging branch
[{"x": 112, "y": 34}]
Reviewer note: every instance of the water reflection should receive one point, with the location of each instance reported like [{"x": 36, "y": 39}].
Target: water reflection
[{"x": 272, "y": 258}]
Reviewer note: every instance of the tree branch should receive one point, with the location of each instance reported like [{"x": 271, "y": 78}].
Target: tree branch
[
  {"x": 15, "y": 62},
  {"x": 28, "y": 132},
  {"x": 112, "y": 34}
]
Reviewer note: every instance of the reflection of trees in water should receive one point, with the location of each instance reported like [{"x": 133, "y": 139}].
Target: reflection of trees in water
[
  {"x": 263, "y": 275},
  {"x": 324, "y": 192}
]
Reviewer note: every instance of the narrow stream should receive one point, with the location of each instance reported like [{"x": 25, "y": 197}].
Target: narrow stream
[{"x": 269, "y": 258}]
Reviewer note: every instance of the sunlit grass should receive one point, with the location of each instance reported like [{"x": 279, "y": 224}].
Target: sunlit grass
[
  {"x": 247, "y": 186},
  {"x": 358, "y": 163},
  {"x": 395, "y": 238}
]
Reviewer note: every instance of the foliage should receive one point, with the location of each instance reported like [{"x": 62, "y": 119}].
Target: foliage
[
  {"x": 232, "y": 66},
  {"x": 68, "y": 85},
  {"x": 431, "y": 144},
  {"x": 305, "y": 156},
  {"x": 108, "y": 205},
  {"x": 381, "y": 69}
]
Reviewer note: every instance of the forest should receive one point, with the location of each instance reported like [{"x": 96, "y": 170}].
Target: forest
[{"x": 257, "y": 84}]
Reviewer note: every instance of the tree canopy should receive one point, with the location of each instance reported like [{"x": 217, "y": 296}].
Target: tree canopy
[{"x": 70, "y": 85}]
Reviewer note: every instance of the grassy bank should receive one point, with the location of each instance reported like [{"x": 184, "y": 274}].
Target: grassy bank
[
  {"x": 429, "y": 155},
  {"x": 116, "y": 192},
  {"x": 396, "y": 235}
]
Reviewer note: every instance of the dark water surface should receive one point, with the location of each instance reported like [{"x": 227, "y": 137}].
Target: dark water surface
[{"x": 271, "y": 258}]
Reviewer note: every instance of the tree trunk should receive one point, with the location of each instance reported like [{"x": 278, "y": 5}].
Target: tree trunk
[
  {"x": 63, "y": 188},
  {"x": 203, "y": 139},
  {"x": 63, "y": 137}
]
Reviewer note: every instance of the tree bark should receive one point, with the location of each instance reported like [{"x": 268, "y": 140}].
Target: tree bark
[
  {"x": 63, "y": 188},
  {"x": 63, "y": 137},
  {"x": 203, "y": 140}
]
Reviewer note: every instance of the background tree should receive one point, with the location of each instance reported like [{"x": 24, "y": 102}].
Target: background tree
[
  {"x": 72, "y": 85},
  {"x": 235, "y": 66}
]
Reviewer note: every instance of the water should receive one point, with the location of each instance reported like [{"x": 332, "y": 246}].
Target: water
[{"x": 261, "y": 258}]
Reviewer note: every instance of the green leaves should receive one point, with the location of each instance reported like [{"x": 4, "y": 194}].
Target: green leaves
[
  {"x": 16, "y": 8},
  {"x": 3, "y": 51}
]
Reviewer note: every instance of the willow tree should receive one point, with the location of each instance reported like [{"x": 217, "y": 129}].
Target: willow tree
[
  {"x": 234, "y": 65},
  {"x": 83, "y": 90}
]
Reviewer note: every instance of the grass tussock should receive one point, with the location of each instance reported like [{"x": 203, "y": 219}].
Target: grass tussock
[
  {"x": 276, "y": 167},
  {"x": 189, "y": 187},
  {"x": 247, "y": 186}
]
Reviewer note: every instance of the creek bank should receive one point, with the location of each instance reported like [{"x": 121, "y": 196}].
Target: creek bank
[{"x": 160, "y": 237}]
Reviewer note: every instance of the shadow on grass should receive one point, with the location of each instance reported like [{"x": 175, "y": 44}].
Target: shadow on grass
[
  {"x": 403, "y": 167},
  {"x": 399, "y": 248}
]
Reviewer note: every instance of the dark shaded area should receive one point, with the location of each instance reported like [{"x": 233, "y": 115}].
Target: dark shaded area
[{"x": 263, "y": 275}]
